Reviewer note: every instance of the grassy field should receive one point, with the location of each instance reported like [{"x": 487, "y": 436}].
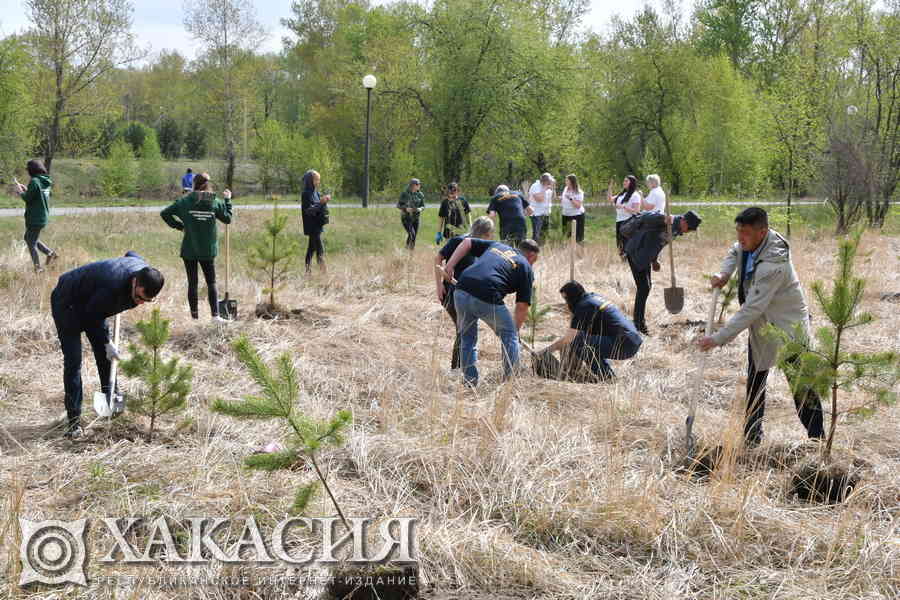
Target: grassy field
[{"x": 525, "y": 489}]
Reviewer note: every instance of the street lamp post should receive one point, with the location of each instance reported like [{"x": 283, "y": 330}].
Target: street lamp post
[{"x": 368, "y": 82}]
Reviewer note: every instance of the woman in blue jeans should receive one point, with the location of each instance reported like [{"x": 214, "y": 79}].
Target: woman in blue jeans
[{"x": 598, "y": 331}]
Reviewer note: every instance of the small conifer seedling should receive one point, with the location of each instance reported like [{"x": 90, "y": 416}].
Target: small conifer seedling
[
  {"x": 166, "y": 384},
  {"x": 279, "y": 399}
]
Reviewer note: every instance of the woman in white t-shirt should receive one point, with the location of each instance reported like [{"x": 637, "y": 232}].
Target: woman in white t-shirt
[
  {"x": 572, "y": 205},
  {"x": 627, "y": 203},
  {"x": 655, "y": 202}
]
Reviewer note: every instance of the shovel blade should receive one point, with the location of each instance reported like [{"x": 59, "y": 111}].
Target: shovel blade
[
  {"x": 228, "y": 309},
  {"x": 674, "y": 297}
]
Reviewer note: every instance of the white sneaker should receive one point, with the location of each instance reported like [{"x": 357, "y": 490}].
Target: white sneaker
[{"x": 218, "y": 319}]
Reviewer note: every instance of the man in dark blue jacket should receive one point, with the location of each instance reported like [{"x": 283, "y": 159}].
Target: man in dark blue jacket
[
  {"x": 81, "y": 302},
  {"x": 498, "y": 271}
]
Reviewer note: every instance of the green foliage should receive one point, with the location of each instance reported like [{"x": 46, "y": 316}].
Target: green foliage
[
  {"x": 536, "y": 313},
  {"x": 135, "y": 133},
  {"x": 273, "y": 253},
  {"x": 195, "y": 140},
  {"x": 304, "y": 436},
  {"x": 117, "y": 172},
  {"x": 166, "y": 384},
  {"x": 150, "y": 166},
  {"x": 170, "y": 138},
  {"x": 269, "y": 150},
  {"x": 17, "y": 115},
  {"x": 825, "y": 365},
  {"x": 729, "y": 293}
]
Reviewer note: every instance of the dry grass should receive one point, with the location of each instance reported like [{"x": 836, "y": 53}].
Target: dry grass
[{"x": 528, "y": 489}]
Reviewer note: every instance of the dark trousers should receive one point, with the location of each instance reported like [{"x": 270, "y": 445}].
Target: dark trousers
[
  {"x": 644, "y": 283},
  {"x": 450, "y": 307},
  {"x": 579, "y": 227},
  {"x": 512, "y": 235},
  {"x": 316, "y": 247},
  {"x": 412, "y": 230},
  {"x": 209, "y": 274},
  {"x": 34, "y": 244},
  {"x": 596, "y": 349},
  {"x": 620, "y": 239},
  {"x": 806, "y": 401},
  {"x": 70, "y": 342},
  {"x": 539, "y": 225}
]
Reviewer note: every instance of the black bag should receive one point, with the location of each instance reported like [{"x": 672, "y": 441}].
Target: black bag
[{"x": 630, "y": 226}]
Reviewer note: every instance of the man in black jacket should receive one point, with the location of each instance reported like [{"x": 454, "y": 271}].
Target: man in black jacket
[
  {"x": 646, "y": 238},
  {"x": 81, "y": 302}
]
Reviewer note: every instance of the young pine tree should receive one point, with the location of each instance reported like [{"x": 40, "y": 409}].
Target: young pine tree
[
  {"x": 166, "y": 383},
  {"x": 729, "y": 293},
  {"x": 825, "y": 365},
  {"x": 536, "y": 314},
  {"x": 273, "y": 253},
  {"x": 304, "y": 436}
]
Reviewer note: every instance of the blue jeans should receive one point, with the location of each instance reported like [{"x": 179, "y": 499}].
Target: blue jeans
[
  {"x": 469, "y": 310},
  {"x": 596, "y": 349}
]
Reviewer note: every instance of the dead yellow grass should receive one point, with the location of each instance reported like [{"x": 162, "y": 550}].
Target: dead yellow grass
[{"x": 528, "y": 489}]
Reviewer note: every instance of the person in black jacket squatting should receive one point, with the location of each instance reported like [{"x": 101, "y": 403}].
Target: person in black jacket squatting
[
  {"x": 81, "y": 302},
  {"x": 598, "y": 331}
]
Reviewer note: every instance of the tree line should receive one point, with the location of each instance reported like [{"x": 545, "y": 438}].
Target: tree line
[{"x": 739, "y": 97}]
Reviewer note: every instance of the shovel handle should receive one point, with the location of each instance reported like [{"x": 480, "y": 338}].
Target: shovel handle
[
  {"x": 115, "y": 361},
  {"x": 227, "y": 259},
  {"x": 671, "y": 250},
  {"x": 712, "y": 311},
  {"x": 445, "y": 274}
]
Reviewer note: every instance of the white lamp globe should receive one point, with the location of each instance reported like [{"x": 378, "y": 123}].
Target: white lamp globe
[
  {"x": 369, "y": 82},
  {"x": 852, "y": 110}
]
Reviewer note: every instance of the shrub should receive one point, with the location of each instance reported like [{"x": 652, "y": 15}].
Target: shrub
[{"x": 117, "y": 172}]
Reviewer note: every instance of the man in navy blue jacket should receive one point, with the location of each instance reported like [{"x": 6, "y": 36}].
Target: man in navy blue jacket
[
  {"x": 81, "y": 302},
  {"x": 498, "y": 271}
]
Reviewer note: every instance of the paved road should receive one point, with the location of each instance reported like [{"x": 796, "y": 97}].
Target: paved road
[{"x": 91, "y": 210}]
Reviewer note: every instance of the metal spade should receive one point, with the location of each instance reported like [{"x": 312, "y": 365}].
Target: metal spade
[
  {"x": 674, "y": 295},
  {"x": 114, "y": 404}
]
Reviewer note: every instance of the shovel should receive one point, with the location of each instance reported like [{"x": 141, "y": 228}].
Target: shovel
[
  {"x": 692, "y": 408},
  {"x": 674, "y": 296},
  {"x": 228, "y": 307},
  {"x": 114, "y": 404}
]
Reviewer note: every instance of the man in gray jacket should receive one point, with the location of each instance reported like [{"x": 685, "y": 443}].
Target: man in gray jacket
[{"x": 769, "y": 292}]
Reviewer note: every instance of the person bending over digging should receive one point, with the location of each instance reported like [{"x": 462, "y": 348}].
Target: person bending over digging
[
  {"x": 512, "y": 208},
  {"x": 81, "y": 302},
  {"x": 195, "y": 214},
  {"x": 645, "y": 241},
  {"x": 482, "y": 228},
  {"x": 36, "y": 196},
  {"x": 768, "y": 292},
  {"x": 598, "y": 331},
  {"x": 498, "y": 270}
]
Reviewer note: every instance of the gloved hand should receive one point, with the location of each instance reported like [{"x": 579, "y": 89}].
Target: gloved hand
[
  {"x": 112, "y": 353},
  {"x": 438, "y": 238}
]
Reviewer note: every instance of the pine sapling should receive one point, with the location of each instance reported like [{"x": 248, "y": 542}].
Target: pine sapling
[
  {"x": 273, "y": 253},
  {"x": 825, "y": 365},
  {"x": 729, "y": 293},
  {"x": 166, "y": 384},
  {"x": 536, "y": 313},
  {"x": 304, "y": 436}
]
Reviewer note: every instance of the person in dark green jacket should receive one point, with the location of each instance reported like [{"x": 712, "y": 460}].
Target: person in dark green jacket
[
  {"x": 196, "y": 215},
  {"x": 411, "y": 203},
  {"x": 37, "y": 211}
]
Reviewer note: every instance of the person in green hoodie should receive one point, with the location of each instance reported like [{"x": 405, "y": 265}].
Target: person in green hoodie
[
  {"x": 37, "y": 211},
  {"x": 196, "y": 215},
  {"x": 411, "y": 203}
]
